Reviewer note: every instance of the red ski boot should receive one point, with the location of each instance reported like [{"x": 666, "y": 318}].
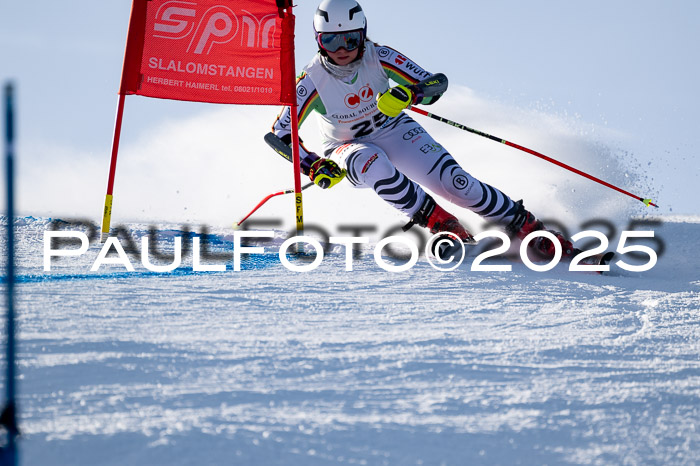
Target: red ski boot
[
  {"x": 438, "y": 220},
  {"x": 525, "y": 223}
]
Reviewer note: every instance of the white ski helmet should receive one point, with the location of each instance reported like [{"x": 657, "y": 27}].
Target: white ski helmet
[{"x": 339, "y": 16}]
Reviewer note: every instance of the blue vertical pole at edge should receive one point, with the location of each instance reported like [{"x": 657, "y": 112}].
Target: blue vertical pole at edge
[{"x": 8, "y": 417}]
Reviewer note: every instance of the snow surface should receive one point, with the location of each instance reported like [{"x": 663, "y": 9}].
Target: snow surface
[{"x": 270, "y": 366}]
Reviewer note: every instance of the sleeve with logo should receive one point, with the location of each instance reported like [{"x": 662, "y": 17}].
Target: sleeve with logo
[
  {"x": 402, "y": 70},
  {"x": 308, "y": 100}
]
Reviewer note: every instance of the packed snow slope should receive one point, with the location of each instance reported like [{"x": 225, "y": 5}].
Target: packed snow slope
[{"x": 270, "y": 366}]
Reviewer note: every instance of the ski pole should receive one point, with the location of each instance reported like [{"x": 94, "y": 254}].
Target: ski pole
[
  {"x": 646, "y": 202},
  {"x": 285, "y": 151},
  {"x": 267, "y": 198},
  {"x": 8, "y": 418}
]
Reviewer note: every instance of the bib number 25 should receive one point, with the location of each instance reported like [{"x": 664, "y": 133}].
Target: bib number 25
[{"x": 367, "y": 127}]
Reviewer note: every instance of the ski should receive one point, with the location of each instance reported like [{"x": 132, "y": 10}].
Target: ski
[
  {"x": 446, "y": 247},
  {"x": 598, "y": 259}
]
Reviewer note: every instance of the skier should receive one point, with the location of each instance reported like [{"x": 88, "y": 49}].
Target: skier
[{"x": 365, "y": 131}]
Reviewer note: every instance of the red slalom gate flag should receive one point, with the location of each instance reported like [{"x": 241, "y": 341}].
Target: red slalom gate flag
[{"x": 218, "y": 51}]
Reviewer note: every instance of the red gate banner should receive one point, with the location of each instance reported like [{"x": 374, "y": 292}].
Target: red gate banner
[{"x": 219, "y": 51}]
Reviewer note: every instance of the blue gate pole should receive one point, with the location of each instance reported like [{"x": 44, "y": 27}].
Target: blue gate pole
[{"x": 8, "y": 417}]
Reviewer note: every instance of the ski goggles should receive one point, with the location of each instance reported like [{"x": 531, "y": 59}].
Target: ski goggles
[{"x": 333, "y": 41}]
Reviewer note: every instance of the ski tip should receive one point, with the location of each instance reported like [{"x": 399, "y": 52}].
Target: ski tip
[
  {"x": 604, "y": 259},
  {"x": 607, "y": 257},
  {"x": 445, "y": 246}
]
